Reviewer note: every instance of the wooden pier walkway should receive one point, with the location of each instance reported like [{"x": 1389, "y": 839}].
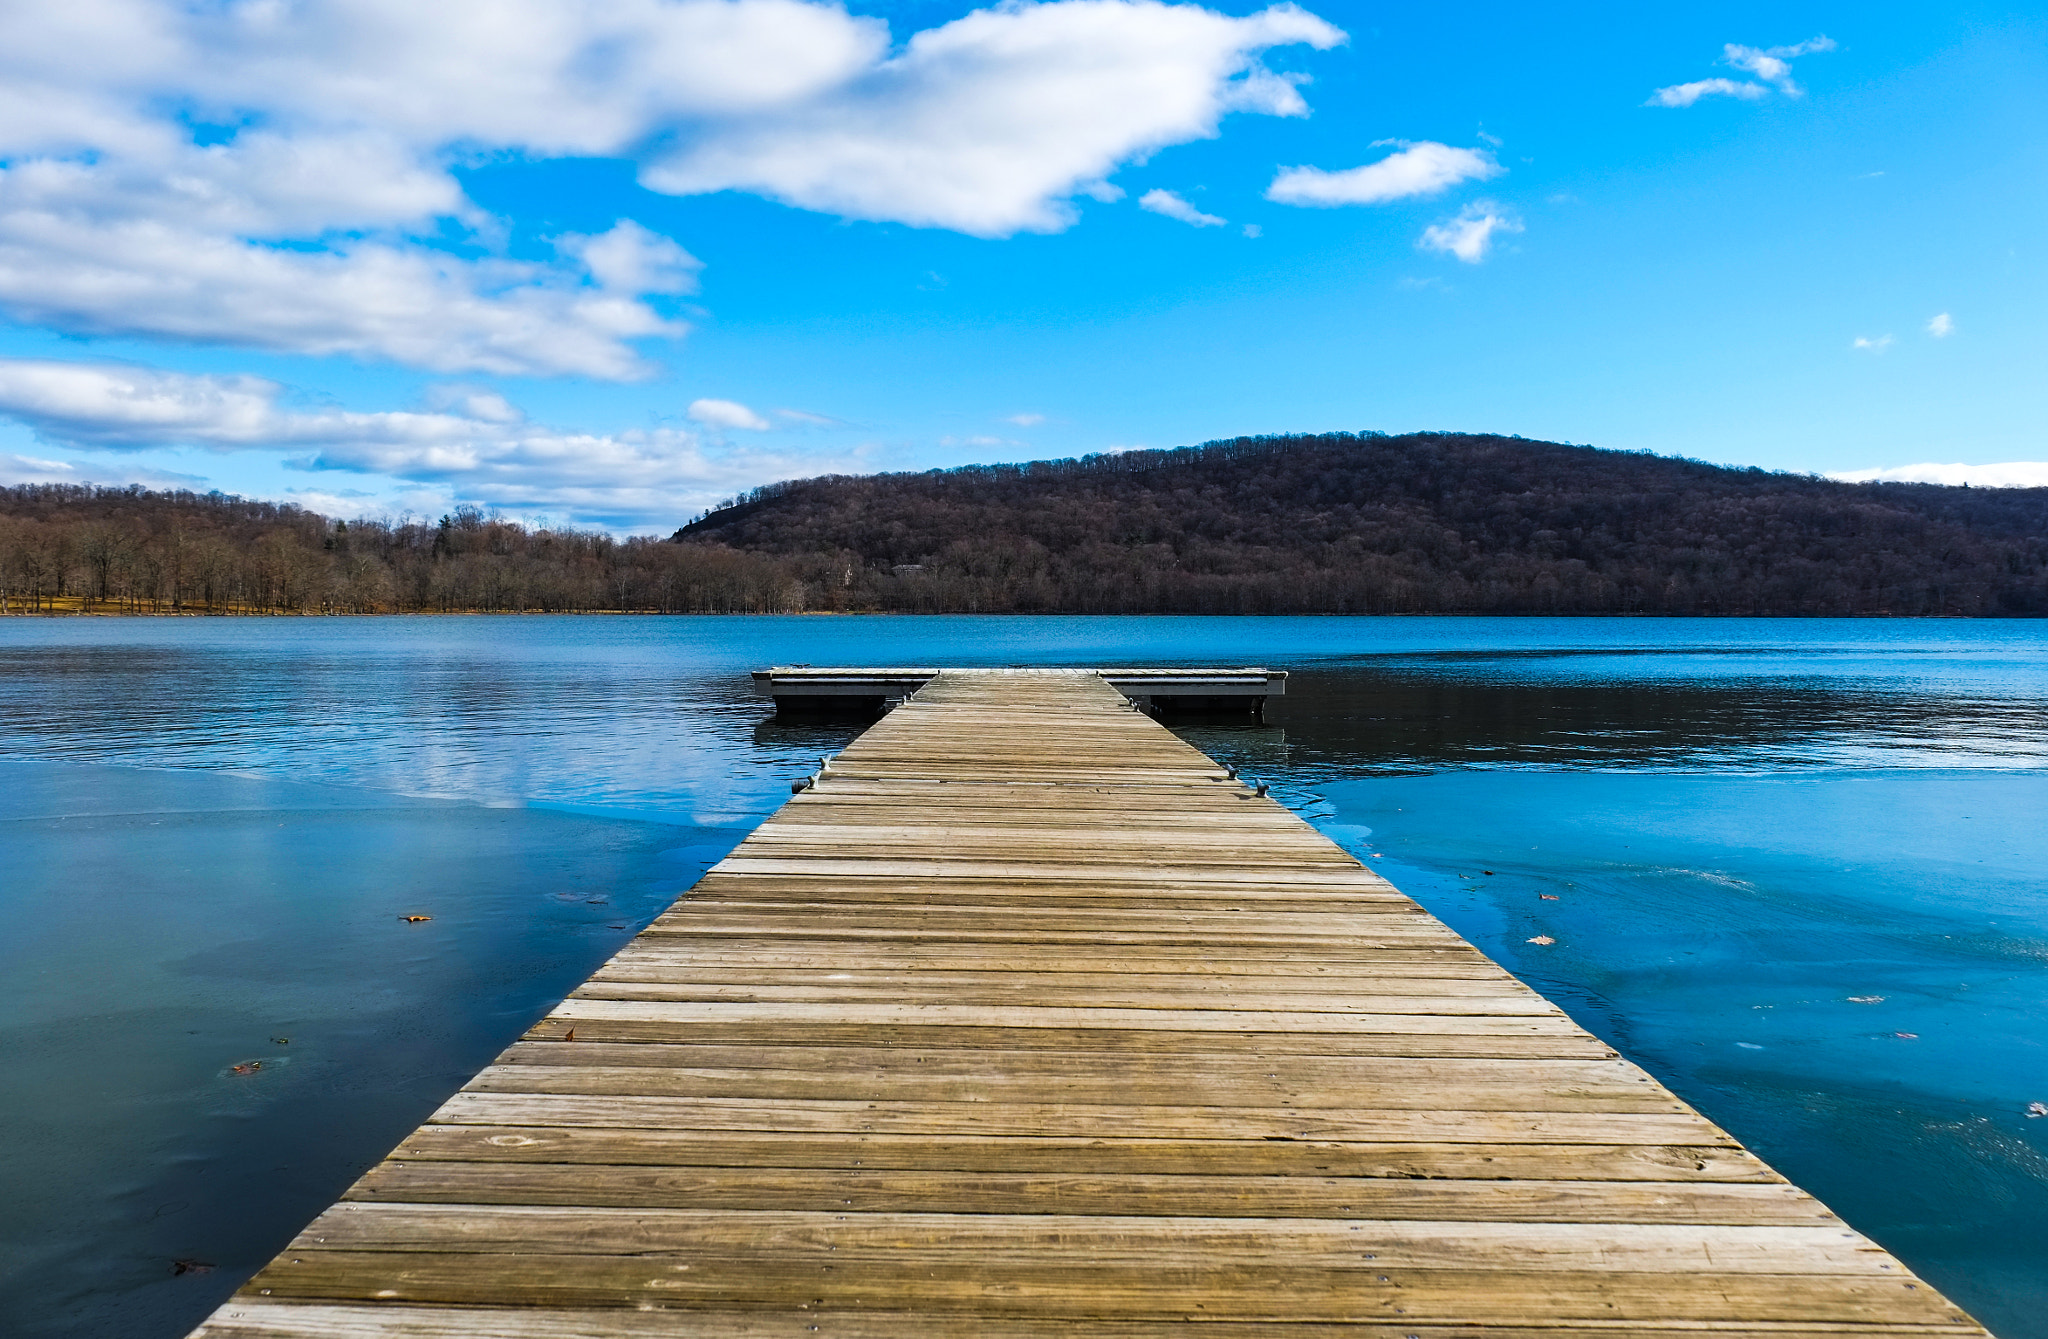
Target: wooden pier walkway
[{"x": 1028, "y": 1021}]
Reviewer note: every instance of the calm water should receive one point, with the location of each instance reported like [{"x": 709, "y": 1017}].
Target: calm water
[{"x": 211, "y": 830}]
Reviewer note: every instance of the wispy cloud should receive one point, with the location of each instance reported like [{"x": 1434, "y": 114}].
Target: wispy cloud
[
  {"x": 476, "y": 447},
  {"x": 1469, "y": 236},
  {"x": 1876, "y": 345},
  {"x": 1942, "y": 326},
  {"x": 1173, "y": 207},
  {"x": 2009, "y": 474},
  {"x": 1771, "y": 68},
  {"x": 727, "y": 414},
  {"x": 1685, "y": 95},
  {"x": 1025, "y": 420},
  {"x": 1421, "y": 169},
  {"x": 805, "y": 418},
  {"x": 19, "y": 469}
]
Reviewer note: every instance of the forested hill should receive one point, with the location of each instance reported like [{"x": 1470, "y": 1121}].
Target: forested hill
[
  {"x": 1421, "y": 523},
  {"x": 1429, "y": 523}
]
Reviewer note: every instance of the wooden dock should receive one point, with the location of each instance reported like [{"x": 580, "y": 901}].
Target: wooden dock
[{"x": 1027, "y": 1020}]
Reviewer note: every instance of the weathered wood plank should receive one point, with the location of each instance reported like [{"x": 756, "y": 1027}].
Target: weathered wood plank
[
  {"x": 1254, "y": 1158},
  {"x": 1177, "y": 1195},
  {"x": 896, "y": 1084},
  {"x": 1194, "y": 1046},
  {"x": 264, "y": 1318},
  {"x": 1025, "y": 1284}
]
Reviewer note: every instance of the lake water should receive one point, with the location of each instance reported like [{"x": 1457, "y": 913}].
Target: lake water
[{"x": 1799, "y": 871}]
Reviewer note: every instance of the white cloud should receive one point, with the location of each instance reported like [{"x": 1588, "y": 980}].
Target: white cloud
[
  {"x": 727, "y": 414},
  {"x": 398, "y": 302},
  {"x": 1942, "y": 326},
  {"x": 2009, "y": 474},
  {"x": 990, "y": 124},
  {"x": 1877, "y": 345},
  {"x": 1025, "y": 420},
  {"x": 475, "y": 448},
  {"x": 1685, "y": 95},
  {"x": 1253, "y": 230},
  {"x": 630, "y": 259},
  {"x": 1427, "y": 168},
  {"x": 1470, "y": 235},
  {"x": 1173, "y": 207},
  {"x": 278, "y": 175},
  {"x": 808, "y": 419},
  {"x": 19, "y": 469},
  {"x": 1771, "y": 66}
]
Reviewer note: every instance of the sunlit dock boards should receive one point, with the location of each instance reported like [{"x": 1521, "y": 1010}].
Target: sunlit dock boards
[{"x": 1027, "y": 1020}]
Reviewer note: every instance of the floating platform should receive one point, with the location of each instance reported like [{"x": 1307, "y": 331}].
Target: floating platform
[
  {"x": 800, "y": 689},
  {"x": 1029, "y": 1020}
]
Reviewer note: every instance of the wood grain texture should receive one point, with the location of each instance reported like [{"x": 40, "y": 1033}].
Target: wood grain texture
[{"x": 1028, "y": 1020}]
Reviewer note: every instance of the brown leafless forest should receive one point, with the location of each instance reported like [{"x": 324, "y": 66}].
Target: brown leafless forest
[{"x": 1339, "y": 523}]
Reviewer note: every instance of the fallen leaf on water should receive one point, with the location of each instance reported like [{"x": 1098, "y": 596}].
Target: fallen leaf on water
[
  {"x": 1548, "y": 897},
  {"x": 1542, "y": 939},
  {"x": 1907, "y": 1036},
  {"x": 2037, "y": 1109},
  {"x": 281, "y": 1041},
  {"x": 1486, "y": 871},
  {"x": 1866, "y": 999},
  {"x": 415, "y": 918},
  {"x": 246, "y": 1067},
  {"x": 191, "y": 1267}
]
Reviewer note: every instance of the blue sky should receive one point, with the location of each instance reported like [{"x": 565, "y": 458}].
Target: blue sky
[{"x": 605, "y": 263}]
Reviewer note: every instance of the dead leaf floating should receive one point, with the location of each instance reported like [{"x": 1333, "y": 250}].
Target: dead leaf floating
[
  {"x": 1548, "y": 897},
  {"x": 1866, "y": 999},
  {"x": 1907, "y": 1036},
  {"x": 1486, "y": 871},
  {"x": 415, "y": 919},
  {"x": 191, "y": 1267},
  {"x": 246, "y": 1067},
  {"x": 1542, "y": 939}
]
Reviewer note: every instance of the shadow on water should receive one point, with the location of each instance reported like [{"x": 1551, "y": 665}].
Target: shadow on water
[{"x": 1462, "y": 711}]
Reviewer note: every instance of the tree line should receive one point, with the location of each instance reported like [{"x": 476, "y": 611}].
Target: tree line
[{"x": 79, "y": 548}]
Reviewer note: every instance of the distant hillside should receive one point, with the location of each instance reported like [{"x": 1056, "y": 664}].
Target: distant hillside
[
  {"x": 1429, "y": 523},
  {"x": 1367, "y": 523}
]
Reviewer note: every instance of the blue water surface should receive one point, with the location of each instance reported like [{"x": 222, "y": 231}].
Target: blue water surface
[{"x": 1794, "y": 867}]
